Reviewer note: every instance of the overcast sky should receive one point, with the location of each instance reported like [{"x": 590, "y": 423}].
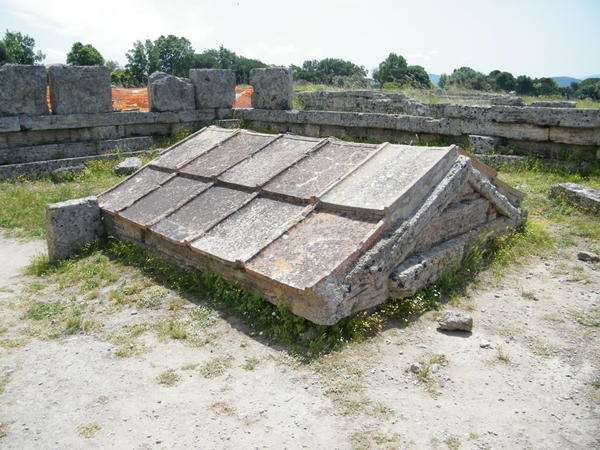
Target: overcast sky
[{"x": 525, "y": 37}]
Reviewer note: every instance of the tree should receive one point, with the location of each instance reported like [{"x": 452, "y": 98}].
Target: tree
[
  {"x": 19, "y": 48},
  {"x": 443, "y": 81},
  {"x": 501, "y": 81},
  {"x": 142, "y": 62},
  {"x": 175, "y": 55},
  {"x": 417, "y": 77},
  {"x": 547, "y": 86},
  {"x": 84, "y": 55},
  {"x": 392, "y": 69},
  {"x": 4, "y": 57},
  {"x": 467, "y": 78},
  {"x": 588, "y": 88},
  {"x": 524, "y": 85},
  {"x": 328, "y": 71},
  {"x": 112, "y": 65}
]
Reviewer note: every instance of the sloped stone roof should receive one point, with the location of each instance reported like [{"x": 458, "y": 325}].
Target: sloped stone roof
[{"x": 290, "y": 216}]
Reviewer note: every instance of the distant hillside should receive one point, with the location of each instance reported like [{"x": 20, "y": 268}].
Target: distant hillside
[
  {"x": 566, "y": 81},
  {"x": 561, "y": 81},
  {"x": 435, "y": 79}
]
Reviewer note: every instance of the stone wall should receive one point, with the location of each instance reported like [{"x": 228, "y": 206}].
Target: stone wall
[{"x": 29, "y": 133}]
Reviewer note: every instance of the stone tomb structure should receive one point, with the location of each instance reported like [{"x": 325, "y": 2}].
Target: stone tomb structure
[{"x": 324, "y": 226}]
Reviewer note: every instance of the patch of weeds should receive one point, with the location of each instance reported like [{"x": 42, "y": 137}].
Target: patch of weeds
[
  {"x": 251, "y": 363},
  {"x": 439, "y": 358},
  {"x": 222, "y": 408},
  {"x": 169, "y": 378},
  {"x": 2, "y": 430},
  {"x": 101, "y": 400},
  {"x": 15, "y": 342},
  {"x": 453, "y": 442},
  {"x": 502, "y": 354},
  {"x": 89, "y": 430},
  {"x": 177, "y": 330},
  {"x": 39, "y": 266},
  {"x": 474, "y": 436},
  {"x": 152, "y": 298},
  {"x": 177, "y": 303},
  {"x": 73, "y": 325},
  {"x": 44, "y": 310},
  {"x": 424, "y": 373},
  {"x": 216, "y": 366},
  {"x": 189, "y": 366},
  {"x": 3, "y": 382},
  {"x": 596, "y": 383},
  {"x": 589, "y": 318},
  {"x": 381, "y": 410},
  {"x": 529, "y": 295},
  {"x": 539, "y": 348},
  {"x": 128, "y": 332}
]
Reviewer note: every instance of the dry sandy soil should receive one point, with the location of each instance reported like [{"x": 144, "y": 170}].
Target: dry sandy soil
[{"x": 523, "y": 379}]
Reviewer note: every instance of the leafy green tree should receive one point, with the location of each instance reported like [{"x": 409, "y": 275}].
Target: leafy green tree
[
  {"x": 142, "y": 61},
  {"x": 524, "y": 85},
  {"x": 4, "y": 57},
  {"x": 589, "y": 88},
  {"x": 84, "y": 55},
  {"x": 417, "y": 77},
  {"x": 175, "y": 55},
  {"x": 547, "y": 86},
  {"x": 112, "y": 65},
  {"x": 392, "y": 69},
  {"x": 467, "y": 78},
  {"x": 443, "y": 81},
  {"x": 502, "y": 81},
  {"x": 327, "y": 71},
  {"x": 19, "y": 48}
]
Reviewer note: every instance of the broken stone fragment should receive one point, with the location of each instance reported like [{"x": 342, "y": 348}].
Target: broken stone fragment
[
  {"x": 128, "y": 166},
  {"x": 587, "y": 257},
  {"x": 455, "y": 321}
]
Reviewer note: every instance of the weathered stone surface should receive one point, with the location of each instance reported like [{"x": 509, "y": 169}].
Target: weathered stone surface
[
  {"x": 71, "y": 225},
  {"x": 455, "y": 321},
  {"x": 28, "y": 154},
  {"x": 22, "y": 91},
  {"x": 588, "y": 257},
  {"x": 507, "y": 100},
  {"x": 79, "y": 89},
  {"x": 169, "y": 93},
  {"x": 575, "y": 136},
  {"x": 63, "y": 174},
  {"x": 273, "y": 88},
  {"x": 9, "y": 123},
  {"x": 215, "y": 88},
  {"x": 128, "y": 166},
  {"x": 578, "y": 195},
  {"x": 483, "y": 144},
  {"x": 557, "y": 104}
]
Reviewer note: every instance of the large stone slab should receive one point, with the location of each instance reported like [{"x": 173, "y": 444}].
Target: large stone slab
[
  {"x": 214, "y": 88},
  {"x": 22, "y": 91},
  {"x": 273, "y": 88},
  {"x": 394, "y": 180},
  {"x": 80, "y": 89},
  {"x": 169, "y": 93},
  {"x": 577, "y": 195}
]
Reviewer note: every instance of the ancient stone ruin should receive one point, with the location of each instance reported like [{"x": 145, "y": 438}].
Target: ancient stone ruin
[{"x": 326, "y": 227}]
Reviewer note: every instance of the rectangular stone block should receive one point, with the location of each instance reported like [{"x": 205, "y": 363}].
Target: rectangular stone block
[
  {"x": 8, "y": 124},
  {"x": 80, "y": 89},
  {"x": 214, "y": 88},
  {"x": 575, "y": 136},
  {"x": 273, "y": 88},
  {"x": 71, "y": 225},
  {"x": 22, "y": 90}
]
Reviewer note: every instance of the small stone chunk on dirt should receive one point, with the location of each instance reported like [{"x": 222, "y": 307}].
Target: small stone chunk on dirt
[
  {"x": 455, "y": 321},
  {"x": 128, "y": 166},
  {"x": 588, "y": 257}
]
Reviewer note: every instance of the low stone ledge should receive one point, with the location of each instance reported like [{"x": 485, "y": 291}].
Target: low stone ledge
[
  {"x": 577, "y": 195},
  {"x": 8, "y": 124},
  {"x": 71, "y": 225},
  {"x": 22, "y": 155},
  {"x": 66, "y": 121}
]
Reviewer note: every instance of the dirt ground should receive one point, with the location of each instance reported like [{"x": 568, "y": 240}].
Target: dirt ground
[{"x": 525, "y": 378}]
